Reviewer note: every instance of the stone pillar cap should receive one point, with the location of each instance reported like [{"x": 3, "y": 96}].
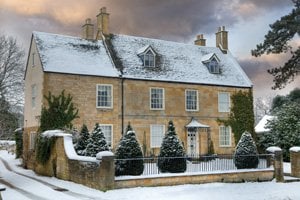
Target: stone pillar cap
[
  {"x": 102, "y": 154},
  {"x": 295, "y": 149},
  {"x": 273, "y": 149}
]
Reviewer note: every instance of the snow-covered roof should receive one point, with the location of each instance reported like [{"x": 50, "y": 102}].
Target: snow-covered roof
[
  {"x": 208, "y": 57},
  {"x": 260, "y": 127},
  {"x": 195, "y": 124},
  {"x": 73, "y": 55},
  {"x": 177, "y": 62}
]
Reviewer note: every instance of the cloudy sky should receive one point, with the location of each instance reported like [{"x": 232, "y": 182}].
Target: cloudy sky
[{"x": 177, "y": 20}]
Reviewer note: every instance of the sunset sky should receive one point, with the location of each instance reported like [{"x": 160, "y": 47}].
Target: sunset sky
[{"x": 177, "y": 20}]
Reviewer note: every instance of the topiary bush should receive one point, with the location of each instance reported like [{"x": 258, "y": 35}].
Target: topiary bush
[
  {"x": 246, "y": 156},
  {"x": 82, "y": 140},
  {"x": 96, "y": 142},
  {"x": 130, "y": 150},
  {"x": 19, "y": 142},
  {"x": 172, "y": 155}
]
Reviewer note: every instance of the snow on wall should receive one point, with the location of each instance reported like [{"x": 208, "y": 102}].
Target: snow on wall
[
  {"x": 273, "y": 149},
  {"x": 178, "y": 62},
  {"x": 65, "y": 54},
  {"x": 295, "y": 149}
]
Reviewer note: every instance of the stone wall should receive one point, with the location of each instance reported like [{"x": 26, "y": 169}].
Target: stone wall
[
  {"x": 99, "y": 174},
  {"x": 232, "y": 177}
]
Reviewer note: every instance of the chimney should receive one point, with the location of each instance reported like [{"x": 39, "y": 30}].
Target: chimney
[
  {"x": 88, "y": 30},
  {"x": 102, "y": 23},
  {"x": 200, "y": 41},
  {"x": 222, "y": 39}
]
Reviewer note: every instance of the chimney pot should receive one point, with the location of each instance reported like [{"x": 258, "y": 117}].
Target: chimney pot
[
  {"x": 222, "y": 39},
  {"x": 200, "y": 41},
  {"x": 103, "y": 10},
  {"x": 88, "y": 30}
]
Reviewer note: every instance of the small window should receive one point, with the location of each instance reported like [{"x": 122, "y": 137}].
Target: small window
[
  {"x": 108, "y": 133},
  {"x": 33, "y": 95},
  {"x": 157, "y": 134},
  {"x": 104, "y": 96},
  {"x": 214, "y": 66},
  {"x": 32, "y": 138},
  {"x": 157, "y": 98},
  {"x": 224, "y": 102},
  {"x": 191, "y": 100},
  {"x": 149, "y": 59},
  {"x": 225, "y": 136},
  {"x": 33, "y": 59}
]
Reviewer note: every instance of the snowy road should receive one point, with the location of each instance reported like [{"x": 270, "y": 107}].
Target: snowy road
[{"x": 24, "y": 184}]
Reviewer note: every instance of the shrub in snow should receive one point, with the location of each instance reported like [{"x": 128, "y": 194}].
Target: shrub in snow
[
  {"x": 171, "y": 156},
  {"x": 96, "y": 142},
  {"x": 130, "y": 150},
  {"x": 82, "y": 140},
  {"x": 245, "y": 155}
]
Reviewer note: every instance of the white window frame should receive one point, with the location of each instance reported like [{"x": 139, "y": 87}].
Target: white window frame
[
  {"x": 104, "y": 132},
  {"x": 32, "y": 139},
  {"x": 33, "y": 95},
  {"x": 186, "y": 100},
  {"x": 214, "y": 66},
  {"x": 154, "y": 143},
  {"x": 222, "y": 136},
  {"x": 111, "y": 97},
  {"x": 163, "y": 98},
  {"x": 222, "y": 103}
]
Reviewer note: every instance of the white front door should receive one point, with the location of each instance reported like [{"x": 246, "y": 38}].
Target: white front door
[{"x": 192, "y": 142}]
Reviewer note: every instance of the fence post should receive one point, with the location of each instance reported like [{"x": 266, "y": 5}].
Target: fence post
[
  {"x": 278, "y": 163},
  {"x": 295, "y": 161},
  {"x": 107, "y": 170}
]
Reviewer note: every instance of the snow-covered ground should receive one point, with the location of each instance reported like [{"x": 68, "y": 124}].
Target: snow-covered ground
[{"x": 27, "y": 185}]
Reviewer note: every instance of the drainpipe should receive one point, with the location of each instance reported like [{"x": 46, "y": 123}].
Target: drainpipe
[{"x": 122, "y": 103}]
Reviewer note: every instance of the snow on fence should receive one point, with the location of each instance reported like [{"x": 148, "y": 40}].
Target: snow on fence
[{"x": 198, "y": 164}]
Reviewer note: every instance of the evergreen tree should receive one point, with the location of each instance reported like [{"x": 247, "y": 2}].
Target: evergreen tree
[
  {"x": 129, "y": 150},
  {"x": 277, "y": 41},
  {"x": 59, "y": 114},
  {"x": 82, "y": 140},
  {"x": 171, "y": 156},
  {"x": 285, "y": 128},
  {"x": 278, "y": 101},
  {"x": 96, "y": 142},
  {"x": 245, "y": 155}
]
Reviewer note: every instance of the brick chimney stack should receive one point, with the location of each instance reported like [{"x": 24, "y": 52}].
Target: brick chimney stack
[
  {"x": 222, "y": 39},
  {"x": 200, "y": 41},
  {"x": 102, "y": 23},
  {"x": 88, "y": 30}
]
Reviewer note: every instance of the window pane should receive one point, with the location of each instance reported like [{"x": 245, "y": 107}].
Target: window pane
[
  {"x": 191, "y": 100},
  {"x": 33, "y": 95},
  {"x": 104, "y": 96},
  {"x": 107, "y": 131},
  {"x": 224, "y": 138},
  {"x": 157, "y": 134},
  {"x": 149, "y": 59},
  {"x": 223, "y": 102},
  {"x": 157, "y": 98}
]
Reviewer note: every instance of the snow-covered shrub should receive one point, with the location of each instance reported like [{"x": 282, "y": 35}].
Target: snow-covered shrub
[
  {"x": 171, "y": 156},
  {"x": 82, "y": 140},
  {"x": 246, "y": 155},
  {"x": 96, "y": 142},
  {"x": 130, "y": 150}
]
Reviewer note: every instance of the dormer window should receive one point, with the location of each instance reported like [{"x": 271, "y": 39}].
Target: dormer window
[
  {"x": 212, "y": 62},
  {"x": 147, "y": 56}
]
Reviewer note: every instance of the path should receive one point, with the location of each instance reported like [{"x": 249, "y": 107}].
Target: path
[{"x": 13, "y": 180}]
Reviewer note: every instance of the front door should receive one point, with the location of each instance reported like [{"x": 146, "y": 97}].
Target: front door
[{"x": 192, "y": 142}]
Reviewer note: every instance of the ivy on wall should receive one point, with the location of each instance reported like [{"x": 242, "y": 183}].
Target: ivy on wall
[{"x": 241, "y": 117}]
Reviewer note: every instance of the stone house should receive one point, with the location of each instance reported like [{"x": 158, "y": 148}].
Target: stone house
[{"x": 116, "y": 79}]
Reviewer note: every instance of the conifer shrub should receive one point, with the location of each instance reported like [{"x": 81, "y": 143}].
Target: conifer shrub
[
  {"x": 246, "y": 156},
  {"x": 82, "y": 140},
  {"x": 19, "y": 142},
  {"x": 96, "y": 143},
  {"x": 129, "y": 149},
  {"x": 172, "y": 155}
]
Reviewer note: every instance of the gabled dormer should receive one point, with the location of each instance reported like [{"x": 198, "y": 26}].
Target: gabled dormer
[
  {"x": 212, "y": 63},
  {"x": 147, "y": 55}
]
